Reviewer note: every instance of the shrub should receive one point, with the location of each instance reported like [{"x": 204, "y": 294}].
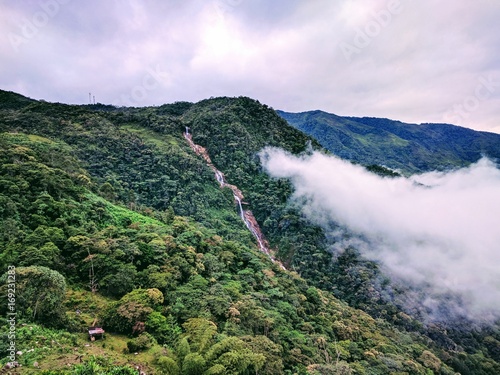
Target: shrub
[{"x": 143, "y": 342}]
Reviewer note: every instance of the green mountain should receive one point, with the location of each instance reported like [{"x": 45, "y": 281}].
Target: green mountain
[
  {"x": 109, "y": 217},
  {"x": 410, "y": 148}
]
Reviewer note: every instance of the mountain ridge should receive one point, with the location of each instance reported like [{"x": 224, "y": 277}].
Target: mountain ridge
[{"x": 411, "y": 148}]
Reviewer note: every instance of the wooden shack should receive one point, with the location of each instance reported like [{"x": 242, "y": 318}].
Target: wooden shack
[{"x": 96, "y": 332}]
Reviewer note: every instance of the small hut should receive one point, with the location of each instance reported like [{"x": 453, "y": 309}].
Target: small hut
[{"x": 96, "y": 332}]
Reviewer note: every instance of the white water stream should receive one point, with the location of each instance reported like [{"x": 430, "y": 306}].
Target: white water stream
[{"x": 246, "y": 216}]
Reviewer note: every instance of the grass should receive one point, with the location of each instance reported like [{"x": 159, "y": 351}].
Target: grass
[
  {"x": 162, "y": 141},
  {"x": 37, "y": 138},
  {"x": 122, "y": 215},
  {"x": 113, "y": 347},
  {"x": 60, "y": 350}
]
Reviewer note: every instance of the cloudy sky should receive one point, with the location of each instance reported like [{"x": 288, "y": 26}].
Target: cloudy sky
[{"x": 415, "y": 61}]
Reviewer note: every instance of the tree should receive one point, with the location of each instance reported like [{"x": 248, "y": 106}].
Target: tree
[
  {"x": 201, "y": 333},
  {"x": 235, "y": 356},
  {"x": 47, "y": 255},
  {"x": 121, "y": 282},
  {"x": 143, "y": 342},
  {"x": 168, "y": 366},
  {"x": 107, "y": 190},
  {"x": 43, "y": 235},
  {"x": 273, "y": 353},
  {"x": 194, "y": 364},
  {"x": 133, "y": 308},
  {"x": 40, "y": 292},
  {"x": 164, "y": 329},
  {"x": 183, "y": 349}
]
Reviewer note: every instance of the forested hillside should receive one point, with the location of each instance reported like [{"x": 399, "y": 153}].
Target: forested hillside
[
  {"x": 109, "y": 216},
  {"x": 410, "y": 148}
]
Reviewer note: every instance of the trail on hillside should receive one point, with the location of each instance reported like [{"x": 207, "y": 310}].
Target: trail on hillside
[{"x": 246, "y": 215}]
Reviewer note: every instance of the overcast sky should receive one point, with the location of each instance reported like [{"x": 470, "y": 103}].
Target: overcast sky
[{"x": 414, "y": 61}]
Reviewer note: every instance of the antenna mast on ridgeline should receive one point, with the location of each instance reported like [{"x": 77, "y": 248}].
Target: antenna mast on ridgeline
[
  {"x": 94, "y": 99},
  {"x": 90, "y": 98}
]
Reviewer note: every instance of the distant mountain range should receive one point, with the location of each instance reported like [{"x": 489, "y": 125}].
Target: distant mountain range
[{"x": 411, "y": 148}]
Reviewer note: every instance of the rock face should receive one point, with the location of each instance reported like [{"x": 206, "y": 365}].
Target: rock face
[{"x": 246, "y": 215}]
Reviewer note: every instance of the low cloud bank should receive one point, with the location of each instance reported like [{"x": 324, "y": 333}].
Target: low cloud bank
[{"x": 441, "y": 230}]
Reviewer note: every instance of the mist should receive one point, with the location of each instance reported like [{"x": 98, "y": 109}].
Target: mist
[{"x": 437, "y": 231}]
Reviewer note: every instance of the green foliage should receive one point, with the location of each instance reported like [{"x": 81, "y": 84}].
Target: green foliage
[
  {"x": 382, "y": 171},
  {"x": 35, "y": 342},
  {"x": 142, "y": 342},
  {"x": 201, "y": 333},
  {"x": 233, "y": 354},
  {"x": 183, "y": 349},
  {"x": 96, "y": 366},
  {"x": 39, "y": 292},
  {"x": 164, "y": 329},
  {"x": 130, "y": 313},
  {"x": 168, "y": 366},
  {"x": 411, "y": 148},
  {"x": 193, "y": 364},
  {"x": 115, "y": 200}
]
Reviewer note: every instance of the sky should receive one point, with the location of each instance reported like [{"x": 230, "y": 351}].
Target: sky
[
  {"x": 414, "y": 61},
  {"x": 436, "y": 231}
]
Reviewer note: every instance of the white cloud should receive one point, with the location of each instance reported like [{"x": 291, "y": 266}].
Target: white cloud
[{"x": 436, "y": 228}]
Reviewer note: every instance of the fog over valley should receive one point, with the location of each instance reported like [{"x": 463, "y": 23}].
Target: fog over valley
[{"x": 437, "y": 230}]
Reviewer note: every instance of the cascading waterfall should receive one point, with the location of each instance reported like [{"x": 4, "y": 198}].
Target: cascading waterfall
[
  {"x": 251, "y": 227},
  {"x": 242, "y": 213},
  {"x": 246, "y": 216},
  {"x": 219, "y": 177}
]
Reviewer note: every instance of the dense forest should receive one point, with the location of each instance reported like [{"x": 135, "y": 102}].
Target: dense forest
[
  {"x": 109, "y": 217},
  {"x": 410, "y": 148}
]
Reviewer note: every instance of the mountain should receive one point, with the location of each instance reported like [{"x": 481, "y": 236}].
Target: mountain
[
  {"x": 410, "y": 148},
  {"x": 112, "y": 217}
]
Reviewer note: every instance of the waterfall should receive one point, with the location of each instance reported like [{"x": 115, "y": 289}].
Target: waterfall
[
  {"x": 247, "y": 216},
  {"x": 219, "y": 177},
  {"x": 261, "y": 245},
  {"x": 251, "y": 228},
  {"x": 242, "y": 213}
]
